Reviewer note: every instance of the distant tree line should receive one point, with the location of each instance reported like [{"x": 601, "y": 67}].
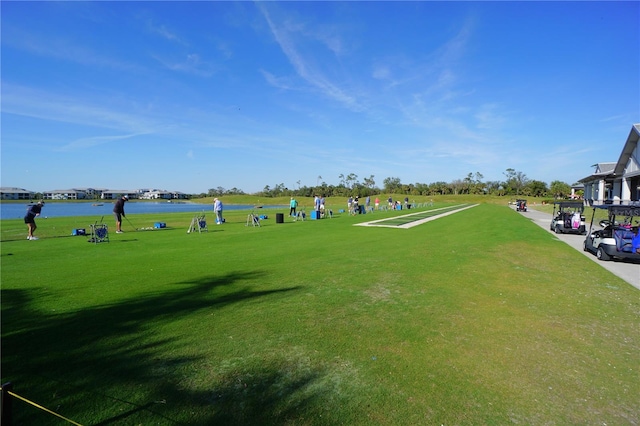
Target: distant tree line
[{"x": 516, "y": 183}]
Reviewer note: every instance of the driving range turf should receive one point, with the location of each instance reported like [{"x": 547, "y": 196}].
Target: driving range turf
[{"x": 480, "y": 317}]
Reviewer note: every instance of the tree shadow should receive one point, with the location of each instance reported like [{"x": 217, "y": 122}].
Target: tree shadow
[{"x": 75, "y": 363}]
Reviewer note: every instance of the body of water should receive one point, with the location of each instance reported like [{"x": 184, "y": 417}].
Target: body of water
[{"x": 18, "y": 210}]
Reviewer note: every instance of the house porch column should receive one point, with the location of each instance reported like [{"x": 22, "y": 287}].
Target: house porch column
[
  {"x": 600, "y": 190},
  {"x": 626, "y": 189}
]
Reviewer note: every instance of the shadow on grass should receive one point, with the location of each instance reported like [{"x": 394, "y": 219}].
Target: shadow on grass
[{"x": 105, "y": 365}]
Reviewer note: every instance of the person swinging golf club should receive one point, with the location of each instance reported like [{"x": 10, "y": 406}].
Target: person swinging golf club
[
  {"x": 217, "y": 208},
  {"x": 30, "y": 219},
  {"x": 118, "y": 212}
]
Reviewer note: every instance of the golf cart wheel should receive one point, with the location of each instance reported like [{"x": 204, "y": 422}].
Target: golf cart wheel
[
  {"x": 584, "y": 246},
  {"x": 601, "y": 255},
  {"x": 557, "y": 230}
]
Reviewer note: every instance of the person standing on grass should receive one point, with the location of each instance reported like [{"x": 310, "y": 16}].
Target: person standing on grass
[
  {"x": 30, "y": 218},
  {"x": 292, "y": 207},
  {"x": 118, "y": 212},
  {"x": 217, "y": 208},
  {"x": 377, "y": 202},
  {"x": 317, "y": 203}
]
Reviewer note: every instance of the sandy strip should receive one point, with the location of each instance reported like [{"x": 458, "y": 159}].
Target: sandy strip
[{"x": 416, "y": 222}]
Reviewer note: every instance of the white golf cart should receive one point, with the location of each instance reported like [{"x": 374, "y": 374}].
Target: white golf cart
[
  {"x": 568, "y": 218},
  {"x": 618, "y": 237}
]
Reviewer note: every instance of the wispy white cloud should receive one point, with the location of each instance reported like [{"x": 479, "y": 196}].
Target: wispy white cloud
[
  {"x": 278, "y": 82},
  {"x": 190, "y": 63},
  {"x": 224, "y": 48},
  {"x": 284, "y": 36},
  {"x": 613, "y": 118},
  {"x": 488, "y": 116},
  {"x": 164, "y": 32},
  {"x": 91, "y": 142},
  {"x": 454, "y": 48},
  {"x": 381, "y": 72},
  {"x": 442, "y": 107},
  {"x": 64, "y": 48},
  {"x": 51, "y": 106}
]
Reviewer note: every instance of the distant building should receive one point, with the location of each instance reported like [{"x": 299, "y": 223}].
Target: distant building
[
  {"x": 112, "y": 195},
  {"x": 575, "y": 188},
  {"x": 155, "y": 194},
  {"x": 10, "y": 193},
  {"x": 91, "y": 193},
  {"x": 179, "y": 195},
  {"x": 617, "y": 182},
  {"x": 64, "y": 194}
]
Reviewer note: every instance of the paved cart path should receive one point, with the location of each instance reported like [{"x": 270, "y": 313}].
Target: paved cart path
[{"x": 627, "y": 271}]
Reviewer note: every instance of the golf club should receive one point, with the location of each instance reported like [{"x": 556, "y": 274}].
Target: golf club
[{"x": 130, "y": 223}]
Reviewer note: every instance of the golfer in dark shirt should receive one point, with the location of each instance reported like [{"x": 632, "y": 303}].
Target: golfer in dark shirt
[
  {"x": 30, "y": 218},
  {"x": 118, "y": 212}
]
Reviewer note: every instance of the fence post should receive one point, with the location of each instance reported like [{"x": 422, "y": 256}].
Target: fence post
[{"x": 6, "y": 404}]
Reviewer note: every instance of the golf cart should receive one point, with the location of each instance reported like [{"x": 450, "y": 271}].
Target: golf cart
[
  {"x": 568, "y": 218},
  {"x": 521, "y": 205},
  {"x": 619, "y": 237}
]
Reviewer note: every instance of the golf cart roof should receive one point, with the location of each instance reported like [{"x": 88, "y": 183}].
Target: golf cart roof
[
  {"x": 620, "y": 210},
  {"x": 571, "y": 204}
]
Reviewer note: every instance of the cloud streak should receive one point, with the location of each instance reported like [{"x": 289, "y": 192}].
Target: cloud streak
[
  {"x": 50, "y": 106},
  {"x": 283, "y": 34},
  {"x": 85, "y": 143}
]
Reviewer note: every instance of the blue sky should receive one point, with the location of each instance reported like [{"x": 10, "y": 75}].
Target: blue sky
[{"x": 189, "y": 96}]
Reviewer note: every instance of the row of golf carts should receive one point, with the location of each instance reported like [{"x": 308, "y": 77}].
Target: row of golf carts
[
  {"x": 619, "y": 234},
  {"x": 617, "y": 237}
]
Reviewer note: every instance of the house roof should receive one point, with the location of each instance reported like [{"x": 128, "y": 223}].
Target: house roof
[
  {"x": 62, "y": 191},
  {"x": 9, "y": 189},
  {"x": 603, "y": 170},
  {"x": 629, "y": 147}
]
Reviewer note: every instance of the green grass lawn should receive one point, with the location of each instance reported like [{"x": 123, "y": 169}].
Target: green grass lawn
[{"x": 480, "y": 317}]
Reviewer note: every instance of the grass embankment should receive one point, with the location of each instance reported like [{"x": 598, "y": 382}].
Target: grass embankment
[{"x": 481, "y": 317}]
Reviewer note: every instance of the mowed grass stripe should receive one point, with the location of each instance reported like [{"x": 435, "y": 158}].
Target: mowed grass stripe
[{"x": 399, "y": 221}]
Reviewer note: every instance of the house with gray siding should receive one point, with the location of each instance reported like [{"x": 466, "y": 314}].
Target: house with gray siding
[
  {"x": 11, "y": 193},
  {"x": 618, "y": 182}
]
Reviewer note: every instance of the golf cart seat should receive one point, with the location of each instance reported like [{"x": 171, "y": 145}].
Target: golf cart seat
[{"x": 624, "y": 240}]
